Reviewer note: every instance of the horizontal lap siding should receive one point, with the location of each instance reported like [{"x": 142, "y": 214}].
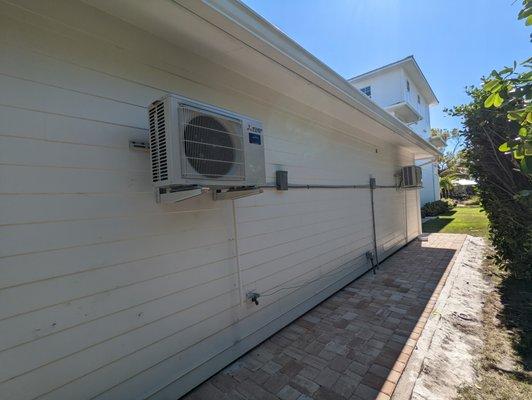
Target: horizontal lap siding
[
  {"x": 389, "y": 220},
  {"x": 107, "y": 294},
  {"x": 413, "y": 220}
]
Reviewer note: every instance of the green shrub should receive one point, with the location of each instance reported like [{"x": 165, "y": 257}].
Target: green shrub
[
  {"x": 504, "y": 190},
  {"x": 472, "y": 201},
  {"x": 436, "y": 208},
  {"x": 451, "y": 202}
]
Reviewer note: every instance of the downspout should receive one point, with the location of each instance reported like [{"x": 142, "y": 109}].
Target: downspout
[
  {"x": 406, "y": 216},
  {"x": 435, "y": 180},
  {"x": 372, "y": 185}
]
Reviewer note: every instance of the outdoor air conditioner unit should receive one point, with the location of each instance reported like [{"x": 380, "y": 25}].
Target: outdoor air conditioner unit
[
  {"x": 411, "y": 176},
  {"x": 197, "y": 145}
]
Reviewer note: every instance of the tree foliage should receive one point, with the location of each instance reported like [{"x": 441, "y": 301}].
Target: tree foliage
[
  {"x": 451, "y": 162},
  {"x": 498, "y": 138},
  {"x": 511, "y": 87},
  {"x": 446, "y": 185},
  {"x": 500, "y": 183}
]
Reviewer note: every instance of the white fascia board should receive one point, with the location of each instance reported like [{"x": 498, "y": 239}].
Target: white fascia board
[
  {"x": 247, "y": 26},
  {"x": 252, "y": 31}
]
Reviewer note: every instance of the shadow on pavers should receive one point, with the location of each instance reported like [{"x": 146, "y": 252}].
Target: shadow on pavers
[{"x": 346, "y": 346}]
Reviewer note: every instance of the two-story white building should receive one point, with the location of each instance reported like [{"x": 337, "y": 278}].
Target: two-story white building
[{"x": 402, "y": 90}]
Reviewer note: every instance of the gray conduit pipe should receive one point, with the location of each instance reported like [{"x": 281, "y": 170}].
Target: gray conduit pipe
[
  {"x": 303, "y": 186},
  {"x": 372, "y": 186}
]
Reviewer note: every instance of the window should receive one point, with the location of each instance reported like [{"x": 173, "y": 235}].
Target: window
[
  {"x": 366, "y": 90},
  {"x": 407, "y": 86},
  {"x": 418, "y": 99}
]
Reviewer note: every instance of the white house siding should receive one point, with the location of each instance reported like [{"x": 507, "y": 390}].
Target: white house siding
[
  {"x": 387, "y": 88},
  {"x": 106, "y": 294},
  {"x": 422, "y": 127},
  {"x": 431, "y": 182}
]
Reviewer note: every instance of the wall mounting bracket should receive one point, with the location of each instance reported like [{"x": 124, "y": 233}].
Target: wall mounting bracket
[
  {"x": 235, "y": 193},
  {"x": 174, "y": 195},
  {"x": 138, "y": 145}
]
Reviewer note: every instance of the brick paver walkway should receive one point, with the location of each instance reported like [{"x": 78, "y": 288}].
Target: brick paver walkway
[{"x": 352, "y": 346}]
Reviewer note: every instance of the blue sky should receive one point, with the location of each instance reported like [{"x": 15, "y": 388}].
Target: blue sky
[{"x": 455, "y": 42}]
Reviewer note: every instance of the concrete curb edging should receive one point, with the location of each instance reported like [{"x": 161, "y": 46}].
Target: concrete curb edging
[{"x": 400, "y": 382}]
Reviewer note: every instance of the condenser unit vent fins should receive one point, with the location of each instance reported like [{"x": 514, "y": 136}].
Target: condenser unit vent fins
[
  {"x": 411, "y": 176},
  {"x": 213, "y": 145},
  {"x": 158, "y": 146}
]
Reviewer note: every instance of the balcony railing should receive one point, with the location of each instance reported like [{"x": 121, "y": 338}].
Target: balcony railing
[{"x": 404, "y": 112}]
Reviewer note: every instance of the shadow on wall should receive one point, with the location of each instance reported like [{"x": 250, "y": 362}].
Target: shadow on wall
[{"x": 348, "y": 344}]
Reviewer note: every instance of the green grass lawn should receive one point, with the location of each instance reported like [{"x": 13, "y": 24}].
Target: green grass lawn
[{"x": 469, "y": 219}]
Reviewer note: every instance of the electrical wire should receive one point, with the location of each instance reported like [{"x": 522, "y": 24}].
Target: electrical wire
[{"x": 306, "y": 283}]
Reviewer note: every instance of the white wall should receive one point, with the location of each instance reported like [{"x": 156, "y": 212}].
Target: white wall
[
  {"x": 422, "y": 127},
  {"x": 106, "y": 294},
  {"x": 387, "y": 88},
  {"x": 431, "y": 183}
]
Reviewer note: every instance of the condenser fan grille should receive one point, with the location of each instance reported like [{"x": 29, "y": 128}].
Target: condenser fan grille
[{"x": 212, "y": 145}]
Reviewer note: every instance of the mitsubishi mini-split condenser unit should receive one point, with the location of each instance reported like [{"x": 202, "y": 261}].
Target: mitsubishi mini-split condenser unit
[
  {"x": 411, "y": 176},
  {"x": 198, "y": 145}
]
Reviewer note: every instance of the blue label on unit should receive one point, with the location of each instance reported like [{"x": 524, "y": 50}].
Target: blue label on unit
[{"x": 254, "y": 138}]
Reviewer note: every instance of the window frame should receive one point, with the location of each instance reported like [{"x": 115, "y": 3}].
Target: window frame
[{"x": 366, "y": 90}]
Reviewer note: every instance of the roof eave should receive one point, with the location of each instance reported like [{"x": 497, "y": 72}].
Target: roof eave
[
  {"x": 316, "y": 71},
  {"x": 241, "y": 23},
  {"x": 375, "y": 71}
]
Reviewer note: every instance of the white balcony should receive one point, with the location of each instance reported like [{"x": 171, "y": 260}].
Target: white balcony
[
  {"x": 437, "y": 141},
  {"x": 404, "y": 112}
]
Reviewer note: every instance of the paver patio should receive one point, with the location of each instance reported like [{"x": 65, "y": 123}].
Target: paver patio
[{"x": 355, "y": 344}]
